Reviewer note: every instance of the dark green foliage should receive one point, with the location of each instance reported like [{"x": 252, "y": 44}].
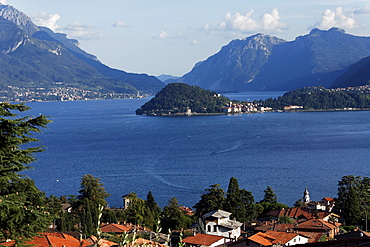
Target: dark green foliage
[
  {"x": 320, "y": 98},
  {"x": 285, "y": 219},
  {"x": 136, "y": 210},
  {"x": 213, "y": 200},
  {"x": 270, "y": 196},
  {"x": 173, "y": 217},
  {"x": 268, "y": 207},
  {"x": 22, "y": 205},
  {"x": 299, "y": 203},
  {"x": 90, "y": 204},
  {"x": 152, "y": 212},
  {"x": 239, "y": 202},
  {"x": 92, "y": 189},
  {"x": 353, "y": 199},
  {"x": 178, "y": 97}
]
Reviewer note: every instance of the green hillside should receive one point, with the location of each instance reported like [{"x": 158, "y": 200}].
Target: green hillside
[{"x": 177, "y": 98}]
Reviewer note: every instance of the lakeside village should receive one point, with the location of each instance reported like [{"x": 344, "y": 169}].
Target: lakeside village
[
  {"x": 17, "y": 94},
  {"x": 311, "y": 224}
]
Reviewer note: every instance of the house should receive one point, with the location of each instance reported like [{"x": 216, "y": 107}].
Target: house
[
  {"x": 287, "y": 238},
  {"x": 318, "y": 225},
  {"x": 141, "y": 242},
  {"x": 53, "y": 239},
  {"x": 116, "y": 228},
  {"x": 123, "y": 228},
  {"x": 274, "y": 238},
  {"x": 298, "y": 214},
  {"x": 353, "y": 234},
  {"x": 203, "y": 240},
  {"x": 187, "y": 210},
  {"x": 126, "y": 201},
  {"x": 219, "y": 223},
  {"x": 326, "y": 204},
  {"x": 260, "y": 239},
  {"x": 66, "y": 207}
]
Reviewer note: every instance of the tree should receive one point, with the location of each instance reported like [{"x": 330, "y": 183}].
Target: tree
[
  {"x": 135, "y": 213},
  {"x": 269, "y": 196},
  {"x": 211, "y": 201},
  {"x": 353, "y": 198},
  {"x": 285, "y": 219},
  {"x": 22, "y": 212},
  {"x": 239, "y": 202},
  {"x": 173, "y": 217},
  {"x": 152, "y": 212},
  {"x": 352, "y": 214},
  {"x": 90, "y": 204}
]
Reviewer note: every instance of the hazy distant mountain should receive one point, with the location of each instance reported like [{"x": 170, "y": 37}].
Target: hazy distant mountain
[
  {"x": 167, "y": 77},
  {"x": 356, "y": 75},
  {"x": 235, "y": 65},
  {"x": 32, "y": 56},
  {"x": 263, "y": 62}
]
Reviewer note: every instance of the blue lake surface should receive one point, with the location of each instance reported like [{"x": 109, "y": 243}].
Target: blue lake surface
[{"x": 182, "y": 156}]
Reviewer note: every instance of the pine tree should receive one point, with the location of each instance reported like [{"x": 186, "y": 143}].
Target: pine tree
[
  {"x": 22, "y": 211},
  {"x": 239, "y": 202},
  {"x": 213, "y": 200},
  {"x": 89, "y": 204},
  {"x": 152, "y": 211},
  {"x": 269, "y": 196},
  {"x": 173, "y": 217},
  {"x": 352, "y": 214}
]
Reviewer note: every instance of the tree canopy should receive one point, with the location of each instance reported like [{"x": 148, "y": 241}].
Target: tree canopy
[
  {"x": 320, "y": 98},
  {"x": 22, "y": 205},
  {"x": 178, "y": 97}
]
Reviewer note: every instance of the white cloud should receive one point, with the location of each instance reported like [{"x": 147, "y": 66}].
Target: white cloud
[
  {"x": 194, "y": 42},
  {"x": 245, "y": 23},
  {"x": 3, "y": 2},
  {"x": 46, "y": 20},
  {"x": 337, "y": 18},
  {"x": 363, "y": 10},
  {"x": 83, "y": 31},
  {"x": 119, "y": 24},
  {"x": 165, "y": 35},
  {"x": 161, "y": 35}
]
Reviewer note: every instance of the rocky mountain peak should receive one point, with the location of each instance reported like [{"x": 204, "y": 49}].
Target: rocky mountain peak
[{"x": 19, "y": 18}]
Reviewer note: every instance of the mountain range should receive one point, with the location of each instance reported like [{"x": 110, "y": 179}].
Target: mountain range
[
  {"x": 37, "y": 57},
  {"x": 34, "y": 58},
  {"x": 264, "y": 62}
]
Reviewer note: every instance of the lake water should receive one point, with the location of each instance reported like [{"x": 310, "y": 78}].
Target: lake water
[{"x": 182, "y": 156}]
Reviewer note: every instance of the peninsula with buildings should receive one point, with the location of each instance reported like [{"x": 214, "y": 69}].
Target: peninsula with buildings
[{"x": 179, "y": 99}]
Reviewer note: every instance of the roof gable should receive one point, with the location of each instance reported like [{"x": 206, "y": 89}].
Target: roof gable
[
  {"x": 262, "y": 239},
  {"x": 202, "y": 239},
  {"x": 217, "y": 214}
]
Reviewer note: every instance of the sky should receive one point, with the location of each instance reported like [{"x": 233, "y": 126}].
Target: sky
[{"x": 170, "y": 36}]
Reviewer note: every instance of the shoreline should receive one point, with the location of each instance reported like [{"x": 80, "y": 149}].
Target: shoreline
[{"x": 184, "y": 114}]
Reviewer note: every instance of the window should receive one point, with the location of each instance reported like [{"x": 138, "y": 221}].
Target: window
[
  {"x": 208, "y": 228},
  {"x": 215, "y": 228}
]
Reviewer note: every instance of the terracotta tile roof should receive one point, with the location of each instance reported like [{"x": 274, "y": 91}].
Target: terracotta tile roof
[
  {"x": 102, "y": 242},
  {"x": 262, "y": 239},
  {"x": 202, "y": 239},
  {"x": 145, "y": 242},
  {"x": 52, "y": 239},
  {"x": 280, "y": 227},
  {"x": 116, "y": 228},
  {"x": 281, "y": 237},
  {"x": 317, "y": 224},
  {"x": 329, "y": 199},
  {"x": 313, "y": 237}
]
